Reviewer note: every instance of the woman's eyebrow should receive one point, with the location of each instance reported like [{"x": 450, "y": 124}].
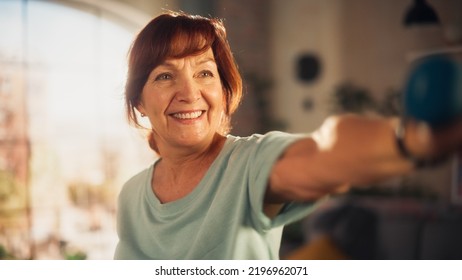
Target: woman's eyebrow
[
  {"x": 167, "y": 64},
  {"x": 206, "y": 60}
]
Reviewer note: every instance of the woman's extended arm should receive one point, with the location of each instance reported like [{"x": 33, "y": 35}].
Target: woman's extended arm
[{"x": 352, "y": 150}]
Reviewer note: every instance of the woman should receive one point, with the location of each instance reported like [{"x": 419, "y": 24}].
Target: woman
[{"x": 211, "y": 195}]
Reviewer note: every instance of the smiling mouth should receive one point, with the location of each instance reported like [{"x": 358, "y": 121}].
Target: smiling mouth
[{"x": 187, "y": 116}]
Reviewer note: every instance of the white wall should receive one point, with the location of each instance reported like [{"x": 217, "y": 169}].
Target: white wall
[
  {"x": 150, "y": 7},
  {"x": 300, "y": 26}
]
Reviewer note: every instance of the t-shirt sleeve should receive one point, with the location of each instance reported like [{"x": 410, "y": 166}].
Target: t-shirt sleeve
[{"x": 268, "y": 150}]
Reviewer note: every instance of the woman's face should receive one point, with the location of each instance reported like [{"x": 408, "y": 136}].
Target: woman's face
[{"x": 183, "y": 99}]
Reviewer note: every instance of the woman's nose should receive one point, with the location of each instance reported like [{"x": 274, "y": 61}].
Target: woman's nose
[{"x": 188, "y": 91}]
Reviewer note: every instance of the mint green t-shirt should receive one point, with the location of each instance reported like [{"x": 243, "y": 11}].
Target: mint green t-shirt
[{"x": 222, "y": 218}]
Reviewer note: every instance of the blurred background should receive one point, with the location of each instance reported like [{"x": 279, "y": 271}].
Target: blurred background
[{"x": 66, "y": 148}]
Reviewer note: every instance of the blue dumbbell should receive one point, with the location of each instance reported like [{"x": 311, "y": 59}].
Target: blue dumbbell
[{"x": 433, "y": 92}]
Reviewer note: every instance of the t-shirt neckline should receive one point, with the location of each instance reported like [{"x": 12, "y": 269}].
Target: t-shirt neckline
[{"x": 180, "y": 204}]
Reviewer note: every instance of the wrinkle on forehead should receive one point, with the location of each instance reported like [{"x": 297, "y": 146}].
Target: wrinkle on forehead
[{"x": 204, "y": 57}]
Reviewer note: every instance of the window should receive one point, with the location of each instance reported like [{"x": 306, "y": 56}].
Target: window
[{"x": 65, "y": 145}]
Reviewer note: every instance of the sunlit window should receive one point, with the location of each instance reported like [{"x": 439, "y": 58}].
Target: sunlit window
[{"x": 65, "y": 145}]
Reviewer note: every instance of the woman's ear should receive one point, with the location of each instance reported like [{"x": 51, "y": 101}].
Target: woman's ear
[{"x": 140, "y": 109}]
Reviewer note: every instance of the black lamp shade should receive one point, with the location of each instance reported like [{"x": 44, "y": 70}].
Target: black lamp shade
[{"x": 421, "y": 13}]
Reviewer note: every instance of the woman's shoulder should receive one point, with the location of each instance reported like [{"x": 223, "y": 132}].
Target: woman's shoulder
[
  {"x": 238, "y": 148},
  {"x": 257, "y": 138},
  {"x": 251, "y": 138}
]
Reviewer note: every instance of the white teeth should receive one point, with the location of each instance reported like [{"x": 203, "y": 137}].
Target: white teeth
[{"x": 185, "y": 116}]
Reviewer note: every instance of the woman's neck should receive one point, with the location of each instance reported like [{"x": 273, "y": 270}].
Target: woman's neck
[
  {"x": 186, "y": 156},
  {"x": 177, "y": 174}
]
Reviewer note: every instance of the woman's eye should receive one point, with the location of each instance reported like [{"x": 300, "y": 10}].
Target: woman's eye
[
  {"x": 163, "y": 76},
  {"x": 206, "y": 73}
]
